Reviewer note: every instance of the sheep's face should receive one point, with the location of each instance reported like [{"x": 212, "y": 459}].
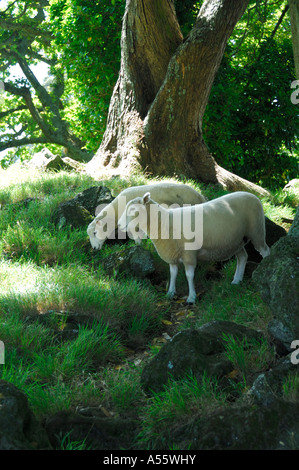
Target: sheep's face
[
  {"x": 104, "y": 228},
  {"x": 99, "y": 230},
  {"x": 94, "y": 241},
  {"x": 134, "y": 218}
]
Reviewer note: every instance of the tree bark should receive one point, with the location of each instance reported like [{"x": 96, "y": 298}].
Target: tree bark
[
  {"x": 156, "y": 111},
  {"x": 294, "y": 16}
]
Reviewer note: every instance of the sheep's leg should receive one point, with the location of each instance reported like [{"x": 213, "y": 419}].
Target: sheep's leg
[
  {"x": 264, "y": 251},
  {"x": 189, "y": 270},
  {"x": 173, "y": 274},
  {"x": 241, "y": 263}
]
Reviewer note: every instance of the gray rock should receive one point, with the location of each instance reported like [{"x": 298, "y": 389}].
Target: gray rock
[
  {"x": 46, "y": 160},
  {"x": 197, "y": 351},
  {"x": 79, "y": 211},
  {"x": 19, "y": 429},
  {"x": 277, "y": 279},
  {"x": 291, "y": 184},
  {"x": 93, "y": 197},
  {"x": 40, "y": 159},
  {"x": 98, "y": 431},
  {"x": 72, "y": 215},
  {"x": 135, "y": 261},
  {"x": 246, "y": 427},
  {"x": 268, "y": 387}
]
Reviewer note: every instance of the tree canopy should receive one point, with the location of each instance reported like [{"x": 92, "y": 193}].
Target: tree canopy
[{"x": 250, "y": 125}]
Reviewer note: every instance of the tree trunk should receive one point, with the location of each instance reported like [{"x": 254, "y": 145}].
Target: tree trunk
[
  {"x": 157, "y": 107},
  {"x": 294, "y": 16}
]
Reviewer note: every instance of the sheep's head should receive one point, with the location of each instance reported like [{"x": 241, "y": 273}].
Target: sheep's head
[
  {"x": 134, "y": 218},
  {"x": 92, "y": 233},
  {"x": 101, "y": 227}
]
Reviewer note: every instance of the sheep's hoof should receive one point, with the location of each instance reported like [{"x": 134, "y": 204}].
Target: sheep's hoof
[{"x": 170, "y": 295}]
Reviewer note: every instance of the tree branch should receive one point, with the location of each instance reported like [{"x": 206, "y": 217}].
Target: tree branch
[
  {"x": 11, "y": 111},
  {"x": 279, "y": 21},
  {"x": 36, "y": 55},
  {"x": 25, "y": 141},
  {"x": 33, "y": 32},
  {"x": 26, "y": 95},
  {"x": 44, "y": 97},
  {"x": 16, "y": 133},
  {"x": 146, "y": 62},
  {"x": 9, "y": 6}
]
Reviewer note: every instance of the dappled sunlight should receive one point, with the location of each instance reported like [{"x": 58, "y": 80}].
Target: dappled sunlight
[
  {"x": 18, "y": 182},
  {"x": 16, "y": 175},
  {"x": 18, "y": 278}
]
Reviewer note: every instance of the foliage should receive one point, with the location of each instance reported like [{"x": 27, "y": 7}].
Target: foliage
[
  {"x": 187, "y": 12},
  {"x": 87, "y": 35},
  {"x": 251, "y": 124},
  {"x": 32, "y": 113}
]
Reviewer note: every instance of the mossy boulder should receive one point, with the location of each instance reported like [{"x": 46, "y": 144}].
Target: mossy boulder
[
  {"x": 246, "y": 427},
  {"x": 92, "y": 426},
  {"x": 19, "y": 428},
  {"x": 197, "y": 351},
  {"x": 268, "y": 386},
  {"x": 94, "y": 198},
  {"x": 135, "y": 261},
  {"x": 277, "y": 279},
  {"x": 80, "y": 211}
]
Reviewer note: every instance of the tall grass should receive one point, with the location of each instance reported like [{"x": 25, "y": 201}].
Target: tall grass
[
  {"x": 46, "y": 274},
  {"x": 249, "y": 356},
  {"x": 175, "y": 406}
]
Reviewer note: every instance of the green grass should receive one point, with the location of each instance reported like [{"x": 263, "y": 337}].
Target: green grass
[
  {"x": 290, "y": 388},
  {"x": 75, "y": 336},
  {"x": 176, "y": 405},
  {"x": 66, "y": 443},
  {"x": 249, "y": 356}
]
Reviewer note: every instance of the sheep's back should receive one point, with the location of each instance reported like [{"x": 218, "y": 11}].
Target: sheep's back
[{"x": 227, "y": 220}]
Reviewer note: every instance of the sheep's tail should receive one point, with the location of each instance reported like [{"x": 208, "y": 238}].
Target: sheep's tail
[{"x": 258, "y": 235}]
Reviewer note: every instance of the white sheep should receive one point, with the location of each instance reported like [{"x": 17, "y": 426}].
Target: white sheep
[
  {"x": 105, "y": 222},
  {"x": 221, "y": 225}
]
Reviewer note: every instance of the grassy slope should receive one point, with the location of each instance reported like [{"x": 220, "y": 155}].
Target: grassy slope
[{"x": 48, "y": 275}]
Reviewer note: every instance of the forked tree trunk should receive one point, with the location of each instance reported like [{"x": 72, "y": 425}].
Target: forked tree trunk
[{"x": 157, "y": 107}]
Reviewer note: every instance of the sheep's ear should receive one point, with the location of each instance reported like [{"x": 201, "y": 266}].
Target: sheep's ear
[{"x": 146, "y": 198}]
